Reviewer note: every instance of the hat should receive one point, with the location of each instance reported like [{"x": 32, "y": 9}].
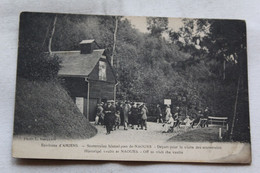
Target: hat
[{"x": 110, "y": 101}]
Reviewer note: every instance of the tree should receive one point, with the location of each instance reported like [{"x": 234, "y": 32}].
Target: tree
[
  {"x": 52, "y": 33},
  {"x": 223, "y": 44},
  {"x": 114, "y": 40},
  {"x": 157, "y": 25},
  {"x": 33, "y": 61}
]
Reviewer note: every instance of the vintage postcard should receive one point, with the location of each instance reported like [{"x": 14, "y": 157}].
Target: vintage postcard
[{"x": 92, "y": 87}]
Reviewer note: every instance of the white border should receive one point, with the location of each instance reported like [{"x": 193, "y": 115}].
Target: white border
[{"x": 9, "y": 19}]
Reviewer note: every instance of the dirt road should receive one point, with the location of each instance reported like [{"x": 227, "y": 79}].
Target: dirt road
[{"x": 152, "y": 134}]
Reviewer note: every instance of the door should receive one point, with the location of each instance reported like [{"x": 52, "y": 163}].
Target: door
[
  {"x": 80, "y": 103},
  {"x": 92, "y": 109}
]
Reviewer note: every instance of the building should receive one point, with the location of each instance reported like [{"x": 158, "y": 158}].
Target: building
[{"x": 88, "y": 76}]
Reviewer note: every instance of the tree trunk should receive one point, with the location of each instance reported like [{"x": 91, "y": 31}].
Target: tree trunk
[
  {"x": 114, "y": 42},
  {"x": 214, "y": 95},
  {"x": 235, "y": 110},
  {"x": 224, "y": 70},
  {"x": 46, "y": 35},
  {"x": 52, "y": 33}
]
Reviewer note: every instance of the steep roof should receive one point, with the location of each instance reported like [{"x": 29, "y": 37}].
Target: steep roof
[{"x": 75, "y": 64}]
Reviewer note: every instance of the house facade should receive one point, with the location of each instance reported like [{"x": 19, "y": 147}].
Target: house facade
[{"x": 88, "y": 77}]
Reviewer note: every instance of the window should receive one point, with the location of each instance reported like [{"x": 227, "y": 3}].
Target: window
[{"x": 102, "y": 71}]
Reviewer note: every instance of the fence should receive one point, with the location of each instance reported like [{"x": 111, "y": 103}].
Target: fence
[{"x": 218, "y": 120}]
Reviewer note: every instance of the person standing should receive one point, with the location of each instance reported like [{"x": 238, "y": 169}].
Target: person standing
[
  {"x": 121, "y": 105},
  {"x": 146, "y": 109},
  {"x": 206, "y": 116},
  {"x": 144, "y": 117},
  {"x": 139, "y": 117},
  {"x": 100, "y": 116},
  {"x": 109, "y": 116},
  {"x": 167, "y": 113},
  {"x": 117, "y": 120},
  {"x": 134, "y": 116},
  {"x": 159, "y": 114},
  {"x": 177, "y": 116},
  {"x": 126, "y": 110}
]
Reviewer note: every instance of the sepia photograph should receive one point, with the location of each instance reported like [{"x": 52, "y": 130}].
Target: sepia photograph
[{"x": 96, "y": 87}]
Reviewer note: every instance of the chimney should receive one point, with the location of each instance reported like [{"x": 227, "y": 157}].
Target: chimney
[{"x": 86, "y": 46}]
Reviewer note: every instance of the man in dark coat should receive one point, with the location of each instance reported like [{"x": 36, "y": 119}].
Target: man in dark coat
[
  {"x": 177, "y": 117},
  {"x": 206, "y": 116},
  {"x": 139, "y": 117},
  {"x": 197, "y": 120},
  {"x": 159, "y": 114},
  {"x": 120, "y": 109},
  {"x": 134, "y": 116},
  {"x": 109, "y": 116}
]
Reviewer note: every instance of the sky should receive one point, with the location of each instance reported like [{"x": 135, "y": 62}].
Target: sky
[{"x": 140, "y": 23}]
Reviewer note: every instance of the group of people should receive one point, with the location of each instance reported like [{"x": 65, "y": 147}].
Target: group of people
[
  {"x": 134, "y": 115},
  {"x": 113, "y": 114},
  {"x": 175, "y": 120}
]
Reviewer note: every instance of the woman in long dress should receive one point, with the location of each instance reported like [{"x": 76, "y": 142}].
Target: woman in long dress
[
  {"x": 126, "y": 110},
  {"x": 144, "y": 112},
  {"x": 134, "y": 116},
  {"x": 167, "y": 113}
]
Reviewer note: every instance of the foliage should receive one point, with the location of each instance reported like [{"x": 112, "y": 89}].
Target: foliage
[
  {"x": 223, "y": 43},
  {"x": 38, "y": 66},
  {"x": 157, "y": 25},
  {"x": 33, "y": 62}
]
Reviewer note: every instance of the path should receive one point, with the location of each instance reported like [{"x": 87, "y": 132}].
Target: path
[{"x": 152, "y": 134}]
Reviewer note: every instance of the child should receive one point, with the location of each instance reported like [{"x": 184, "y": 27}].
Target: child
[
  {"x": 117, "y": 120},
  {"x": 169, "y": 124}
]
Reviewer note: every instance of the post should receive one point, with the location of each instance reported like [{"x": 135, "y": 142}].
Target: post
[
  {"x": 86, "y": 79},
  {"x": 52, "y": 33},
  {"x": 88, "y": 102},
  {"x": 220, "y": 136},
  {"x": 224, "y": 69},
  {"x": 115, "y": 91},
  {"x": 114, "y": 42},
  {"x": 235, "y": 110}
]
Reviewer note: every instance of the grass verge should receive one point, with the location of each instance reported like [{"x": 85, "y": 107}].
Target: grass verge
[{"x": 45, "y": 109}]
